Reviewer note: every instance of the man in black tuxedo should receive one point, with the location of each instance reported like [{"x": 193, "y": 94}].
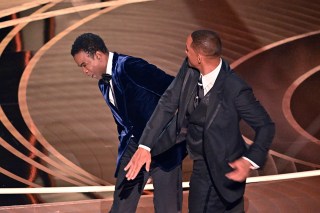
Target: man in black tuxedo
[
  {"x": 132, "y": 88},
  {"x": 208, "y": 111}
]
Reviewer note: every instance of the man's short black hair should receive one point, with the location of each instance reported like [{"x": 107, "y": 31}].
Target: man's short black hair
[
  {"x": 207, "y": 42},
  {"x": 89, "y": 43}
]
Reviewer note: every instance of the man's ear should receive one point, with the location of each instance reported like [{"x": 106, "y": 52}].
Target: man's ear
[
  {"x": 199, "y": 59},
  {"x": 99, "y": 55}
]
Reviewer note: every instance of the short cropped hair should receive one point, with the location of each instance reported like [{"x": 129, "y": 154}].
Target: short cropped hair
[
  {"x": 89, "y": 43},
  {"x": 206, "y": 42}
]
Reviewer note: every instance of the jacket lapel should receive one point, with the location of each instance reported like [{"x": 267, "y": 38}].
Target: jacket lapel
[
  {"x": 115, "y": 81},
  {"x": 187, "y": 92},
  {"x": 216, "y": 96},
  {"x": 121, "y": 108}
]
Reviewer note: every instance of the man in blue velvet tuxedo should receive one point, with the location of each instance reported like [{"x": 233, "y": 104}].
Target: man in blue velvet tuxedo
[
  {"x": 132, "y": 87},
  {"x": 210, "y": 100}
]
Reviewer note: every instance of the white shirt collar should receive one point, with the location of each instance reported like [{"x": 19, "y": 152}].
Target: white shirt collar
[
  {"x": 109, "y": 64},
  {"x": 209, "y": 79},
  {"x": 109, "y": 71}
]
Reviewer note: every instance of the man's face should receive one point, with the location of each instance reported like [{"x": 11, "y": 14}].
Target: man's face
[
  {"x": 191, "y": 54},
  {"x": 92, "y": 67}
]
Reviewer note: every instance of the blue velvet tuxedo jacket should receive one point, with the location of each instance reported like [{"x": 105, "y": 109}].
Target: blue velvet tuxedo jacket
[
  {"x": 137, "y": 88},
  {"x": 230, "y": 100}
]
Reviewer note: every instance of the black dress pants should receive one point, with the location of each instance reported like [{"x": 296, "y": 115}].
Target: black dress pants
[
  {"x": 203, "y": 197},
  {"x": 167, "y": 187}
]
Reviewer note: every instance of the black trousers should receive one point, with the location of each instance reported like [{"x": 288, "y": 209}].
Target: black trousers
[
  {"x": 167, "y": 188},
  {"x": 203, "y": 197}
]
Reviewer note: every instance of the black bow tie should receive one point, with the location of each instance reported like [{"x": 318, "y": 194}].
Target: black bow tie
[{"x": 106, "y": 78}]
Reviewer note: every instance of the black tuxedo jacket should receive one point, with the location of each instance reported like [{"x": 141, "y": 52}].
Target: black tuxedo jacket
[{"x": 230, "y": 100}]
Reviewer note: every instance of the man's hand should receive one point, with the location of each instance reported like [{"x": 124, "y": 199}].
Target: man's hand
[
  {"x": 241, "y": 170},
  {"x": 140, "y": 157}
]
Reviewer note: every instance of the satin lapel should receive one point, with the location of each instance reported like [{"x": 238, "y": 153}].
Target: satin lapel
[
  {"x": 115, "y": 83},
  {"x": 188, "y": 90},
  {"x": 118, "y": 96},
  {"x": 215, "y": 99},
  {"x": 190, "y": 84},
  {"x": 120, "y": 108},
  {"x": 113, "y": 108}
]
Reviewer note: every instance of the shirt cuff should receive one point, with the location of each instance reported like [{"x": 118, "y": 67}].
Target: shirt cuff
[
  {"x": 253, "y": 164},
  {"x": 145, "y": 147}
]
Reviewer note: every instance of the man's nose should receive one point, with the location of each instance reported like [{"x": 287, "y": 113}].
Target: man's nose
[{"x": 84, "y": 70}]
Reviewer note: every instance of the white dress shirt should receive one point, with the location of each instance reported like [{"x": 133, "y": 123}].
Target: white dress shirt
[
  {"x": 109, "y": 71},
  {"x": 209, "y": 79}
]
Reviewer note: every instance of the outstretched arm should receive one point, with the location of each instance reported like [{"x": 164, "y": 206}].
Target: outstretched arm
[{"x": 165, "y": 110}]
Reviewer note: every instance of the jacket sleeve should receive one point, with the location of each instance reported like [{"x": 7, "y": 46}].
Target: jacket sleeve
[
  {"x": 253, "y": 113},
  {"x": 167, "y": 107}
]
